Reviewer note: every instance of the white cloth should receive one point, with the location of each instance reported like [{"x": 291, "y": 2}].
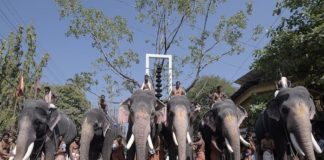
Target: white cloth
[{"x": 267, "y": 155}]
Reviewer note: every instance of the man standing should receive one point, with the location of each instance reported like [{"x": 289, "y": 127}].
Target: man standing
[
  {"x": 177, "y": 90},
  {"x": 5, "y": 147},
  {"x": 267, "y": 146},
  {"x": 74, "y": 149},
  {"x": 199, "y": 147},
  {"x": 219, "y": 95},
  {"x": 118, "y": 149},
  {"x": 147, "y": 84}
]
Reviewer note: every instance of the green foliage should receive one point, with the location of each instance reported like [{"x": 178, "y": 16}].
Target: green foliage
[
  {"x": 14, "y": 61},
  {"x": 106, "y": 34},
  {"x": 296, "y": 46},
  {"x": 257, "y": 104},
  {"x": 168, "y": 18}
]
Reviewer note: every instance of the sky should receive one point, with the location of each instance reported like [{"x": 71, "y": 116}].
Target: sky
[{"x": 69, "y": 56}]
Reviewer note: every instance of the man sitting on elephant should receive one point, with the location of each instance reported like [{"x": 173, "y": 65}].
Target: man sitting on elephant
[
  {"x": 102, "y": 103},
  {"x": 177, "y": 90},
  {"x": 50, "y": 97},
  {"x": 147, "y": 84},
  {"x": 219, "y": 95}
]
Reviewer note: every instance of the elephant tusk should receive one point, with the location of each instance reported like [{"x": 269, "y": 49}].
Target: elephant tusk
[
  {"x": 188, "y": 138},
  {"x": 243, "y": 141},
  {"x": 174, "y": 139},
  {"x": 317, "y": 148},
  {"x": 29, "y": 151},
  {"x": 295, "y": 144},
  {"x": 149, "y": 140},
  {"x": 228, "y": 146},
  {"x": 130, "y": 142},
  {"x": 14, "y": 153}
]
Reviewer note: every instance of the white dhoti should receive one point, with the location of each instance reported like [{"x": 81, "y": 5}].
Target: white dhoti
[{"x": 267, "y": 155}]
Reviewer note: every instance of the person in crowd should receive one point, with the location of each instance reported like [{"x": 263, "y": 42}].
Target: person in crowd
[
  {"x": 75, "y": 149},
  {"x": 118, "y": 149},
  {"x": 5, "y": 147},
  {"x": 61, "y": 152},
  {"x": 146, "y": 84},
  {"x": 248, "y": 152},
  {"x": 157, "y": 148},
  {"x": 267, "y": 146},
  {"x": 219, "y": 95},
  {"x": 177, "y": 90},
  {"x": 215, "y": 150},
  {"x": 199, "y": 147},
  {"x": 50, "y": 97},
  {"x": 102, "y": 103}
]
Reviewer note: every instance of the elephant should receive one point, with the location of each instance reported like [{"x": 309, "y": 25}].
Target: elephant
[
  {"x": 287, "y": 120},
  {"x": 39, "y": 128},
  {"x": 179, "y": 127},
  {"x": 222, "y": 123},
  {"x": 142, "y": 111},
  {"x": 97, "y": 135}
]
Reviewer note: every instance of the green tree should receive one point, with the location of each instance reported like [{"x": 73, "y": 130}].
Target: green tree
[
  {"x": 108, "y": 32},
  {"x": 15, "y": 62},
  {"x": 296, "y": 46}
]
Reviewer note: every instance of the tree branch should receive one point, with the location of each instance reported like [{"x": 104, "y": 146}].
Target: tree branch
[
  {"x": 203, "y": 38},
  {"x": 113, "y": 68}
]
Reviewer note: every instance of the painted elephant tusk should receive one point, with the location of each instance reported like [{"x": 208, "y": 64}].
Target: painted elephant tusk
[
  {"x": 243, "y": 141},
  {"x": 149, "y": 141},
  {"x": 188, "y": 138},
  {"x": 29, "y": 151},
  {"x": 228, "y": 146},
  {"x": 295, "y": 144},
  {"x": 174, "y": 139},
  {"x": 317, "y": 148},
  {"x": 130, "y": 142}
]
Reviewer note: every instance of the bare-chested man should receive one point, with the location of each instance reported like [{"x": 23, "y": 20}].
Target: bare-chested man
[
  {"x": 177, "y": 90},
  {"x": 5, "y": 147},
  {"x": 267, "y": 146},
  {"x": 147, "y": 84},
  {"x": 74, "y": 149},
  {"x": 199, "y": 147},
  {"x": 219, "y": 95}
]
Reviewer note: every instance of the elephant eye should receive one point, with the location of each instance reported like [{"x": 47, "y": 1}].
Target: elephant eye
[{"x": 285, "y": 110}]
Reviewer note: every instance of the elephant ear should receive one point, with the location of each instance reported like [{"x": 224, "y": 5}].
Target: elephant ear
[
  {"x": 241, "y": 114},
  {"x": 273, "y": 110},
  {"x": 123, "y": 111},
  {"x": 209, "y": 120},
  {"x": 53, "y": 118},
  {"x": 160, "y": 112}
]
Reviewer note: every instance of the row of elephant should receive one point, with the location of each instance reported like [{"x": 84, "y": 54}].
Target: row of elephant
[{"x": 287, "y": 119}]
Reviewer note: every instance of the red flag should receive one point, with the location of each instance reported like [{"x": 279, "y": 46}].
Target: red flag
[{"x": 21, "y": 86}]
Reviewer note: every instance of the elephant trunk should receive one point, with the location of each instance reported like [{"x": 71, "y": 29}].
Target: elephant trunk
[
  {"x": 141, "y": 130},
  {"x": 181, "y": 130},
  {"x": 25, "y": 139},
  {"x": 232, "y": 136},
  {"x": 87, "y": 135},
  {"x": 303, "y": 137}
]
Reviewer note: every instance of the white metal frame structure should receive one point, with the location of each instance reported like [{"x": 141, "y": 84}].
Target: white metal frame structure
[{"x": 147, "y": 66}]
